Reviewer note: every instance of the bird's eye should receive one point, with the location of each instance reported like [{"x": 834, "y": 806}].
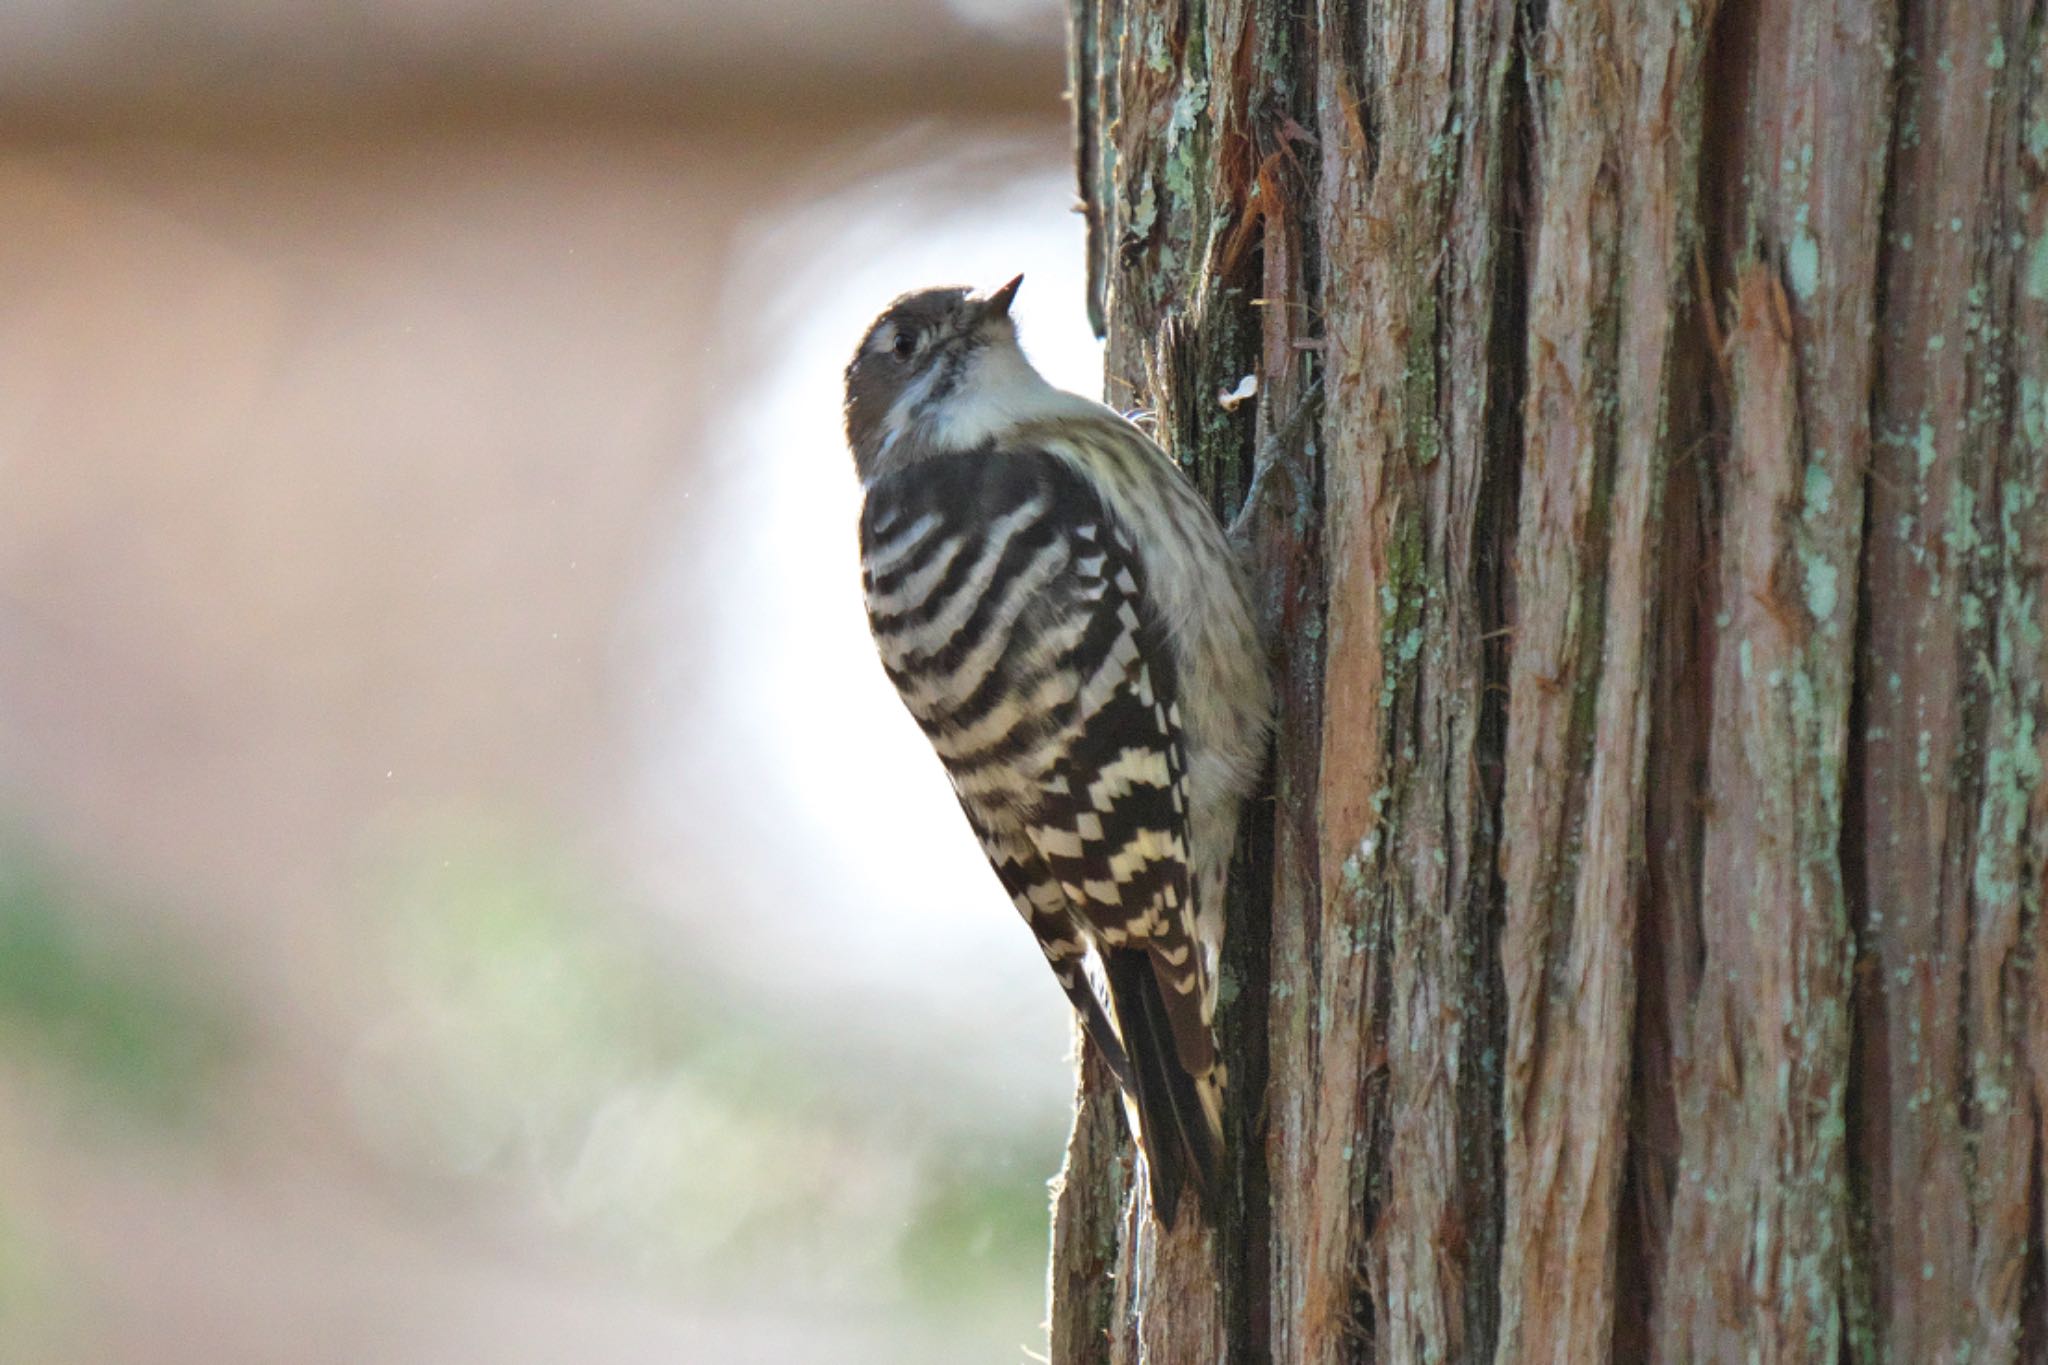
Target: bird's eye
[{"x": 905, "y": 347}]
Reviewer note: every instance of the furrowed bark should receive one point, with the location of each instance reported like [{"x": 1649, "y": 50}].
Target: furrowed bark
[
  {"x": 2010, "y": 878},
  {"x": 1760, "y": 1209},
  {"x": 1641, "y": 958},
  {"x": 1761, "y": 1212},
  {"x": 1947, "y": 1155},
  {"x": 1394, "y": 1072},
  {"x": 1608, "y": 259}
]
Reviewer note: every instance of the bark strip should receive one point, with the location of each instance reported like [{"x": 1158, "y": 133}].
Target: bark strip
[
  {"x": 1610, "y": 256},
  {"x": 1949, "y": 1157},
  {"x": 1761, "y": 1207},
  {"x": 1386, "y": 1098}
]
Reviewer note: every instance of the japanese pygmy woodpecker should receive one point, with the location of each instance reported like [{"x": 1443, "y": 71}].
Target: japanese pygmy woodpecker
[{"x": 1065, "y": 620}]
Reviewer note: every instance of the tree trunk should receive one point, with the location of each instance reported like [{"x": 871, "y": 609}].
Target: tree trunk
[{"x": 1637, "y": 959}]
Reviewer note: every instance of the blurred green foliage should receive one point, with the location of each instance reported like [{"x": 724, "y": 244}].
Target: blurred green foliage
[
  {"x": 123, "y": 1023},
  {"x": 549, "y": 1039},
  {"x": 128, "y": 1016},
  {"x": 979, "y": 1219}
]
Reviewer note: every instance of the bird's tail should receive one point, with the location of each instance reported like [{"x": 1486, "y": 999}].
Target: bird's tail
[{"x": 1176, "y": 1086}]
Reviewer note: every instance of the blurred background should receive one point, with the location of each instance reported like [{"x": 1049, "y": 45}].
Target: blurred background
[{"x": 467, "y": 893}]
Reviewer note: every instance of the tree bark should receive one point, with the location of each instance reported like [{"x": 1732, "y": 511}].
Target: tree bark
[{"x": 1638, "y": 956}]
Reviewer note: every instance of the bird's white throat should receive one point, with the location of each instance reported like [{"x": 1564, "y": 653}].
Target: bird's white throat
[{"x": 999, "y": 392}]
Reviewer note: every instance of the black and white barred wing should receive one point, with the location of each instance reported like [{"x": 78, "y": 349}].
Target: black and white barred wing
[
  {"x": 958, "y": 559},
  {"x": 1112, "y": 828},
  {"x": 1010, "y": 613}
]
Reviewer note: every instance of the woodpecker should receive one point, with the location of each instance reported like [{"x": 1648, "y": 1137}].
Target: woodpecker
[{"x": 1065, "y": 620}]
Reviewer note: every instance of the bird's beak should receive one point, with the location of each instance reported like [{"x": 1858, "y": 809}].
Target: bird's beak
[{"x": 997, "y": 305}]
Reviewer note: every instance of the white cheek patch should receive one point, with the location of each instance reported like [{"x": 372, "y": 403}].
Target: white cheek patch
[{"x": 903, "y": 412}]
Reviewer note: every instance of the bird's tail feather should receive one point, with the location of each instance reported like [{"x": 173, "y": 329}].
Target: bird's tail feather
[{"x": 1178, "y": 1112}]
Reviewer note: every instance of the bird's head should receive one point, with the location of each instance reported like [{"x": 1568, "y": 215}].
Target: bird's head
[{"x": 924, "y": 369}]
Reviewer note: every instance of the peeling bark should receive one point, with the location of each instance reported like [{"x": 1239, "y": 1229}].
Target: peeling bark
[{"x": 1608, "y": 273}]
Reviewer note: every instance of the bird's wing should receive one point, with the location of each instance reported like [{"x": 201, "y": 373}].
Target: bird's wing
[{"x": 1112, "y": 829}]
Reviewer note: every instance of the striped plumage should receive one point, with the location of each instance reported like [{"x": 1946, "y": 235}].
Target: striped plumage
[{"x": 1062, "y": 616}]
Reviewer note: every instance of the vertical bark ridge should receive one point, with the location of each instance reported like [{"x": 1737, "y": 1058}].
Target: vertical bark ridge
[
  {"x": 1388, "y": 1243},
  {"x": 1618, "y": 129},
  {"x": 2013, "y": 852},
  {"x": 1761, "y": 1203},
  {"x": 1950, "y": 1159}
]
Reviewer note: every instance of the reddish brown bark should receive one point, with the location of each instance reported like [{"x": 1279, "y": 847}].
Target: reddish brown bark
[{"x": 1607, "y": 283}]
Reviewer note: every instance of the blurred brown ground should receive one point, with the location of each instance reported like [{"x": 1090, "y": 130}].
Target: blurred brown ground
[{"x": 350, "y": 356}]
